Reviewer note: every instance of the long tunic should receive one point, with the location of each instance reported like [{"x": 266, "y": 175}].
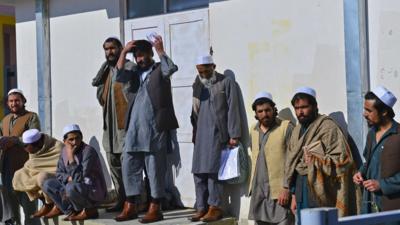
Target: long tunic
[
  {"x": 207, "y": 150},
  {"x": 262, "y": 206},
  {"x": 373, "y": 172},
  {"x": 142, "y": 134}
]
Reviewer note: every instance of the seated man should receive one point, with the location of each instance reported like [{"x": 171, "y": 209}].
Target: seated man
[
  {"x": 79, "y": 185},
  {"x": 44, "y": 152}
]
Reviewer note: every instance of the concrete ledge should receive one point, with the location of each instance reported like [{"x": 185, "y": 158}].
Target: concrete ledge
[{"x": 176, "y": 217}]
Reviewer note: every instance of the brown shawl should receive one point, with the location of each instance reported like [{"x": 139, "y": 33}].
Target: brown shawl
[
  {"x": 330, "y": 174},
  {"x": 45, "y": 160}
]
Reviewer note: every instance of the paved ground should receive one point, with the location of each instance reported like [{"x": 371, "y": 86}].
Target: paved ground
[{"x": 176, "y": 217}]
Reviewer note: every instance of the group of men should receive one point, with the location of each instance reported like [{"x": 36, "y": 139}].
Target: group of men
[{"x": 293, "y": 167}]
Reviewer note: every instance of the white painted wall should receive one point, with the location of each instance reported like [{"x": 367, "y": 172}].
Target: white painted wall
[
  {"x": 384, "y": 41},
  {"x": 78, "y": 30},
  {"x": 278, "y": 46},
  {"x": 26, "y": 51}
]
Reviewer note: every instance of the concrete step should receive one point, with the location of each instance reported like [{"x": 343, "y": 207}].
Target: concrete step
[{"x": 175, "y": 217}]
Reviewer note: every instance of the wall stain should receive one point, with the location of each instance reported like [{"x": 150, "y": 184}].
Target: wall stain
[
  {"x": 255, "y": 48},
  {"x": 280, "y": 27}
]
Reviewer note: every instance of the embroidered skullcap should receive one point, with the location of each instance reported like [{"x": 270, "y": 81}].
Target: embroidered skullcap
[
  {"x": 31, "y": 136},
  {"x": 204, "y": 60},
  {"x": 306, "y": 90},
  {"x": 385, "y": 96},
  {"x": 15, "y": 90},
  {"x": 263, "y": 94},
  {"x": 70, "y": 128}
]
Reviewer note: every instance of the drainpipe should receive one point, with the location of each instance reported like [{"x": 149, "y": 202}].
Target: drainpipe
[
  {"x": 43, "y": 64},
  {"x": 357, "y": 67}
]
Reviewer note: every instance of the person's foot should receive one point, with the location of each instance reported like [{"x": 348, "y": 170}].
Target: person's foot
[
  {"x": 129, "y": 212},
  {"x": 196, "y": 217},
  {"x": 85, "y": 214},
  {"x": 55, "y": 211},
  {"x": 71, "y": 214},
  {"x": 154, "y": 214},
  {"x": 214, "y": 213},
  {"x": 46, "y": 208},
  {"x": 115, "y": 208}
]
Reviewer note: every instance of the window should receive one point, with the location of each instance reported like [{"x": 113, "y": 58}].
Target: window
[{"x": 142, "y": 8}]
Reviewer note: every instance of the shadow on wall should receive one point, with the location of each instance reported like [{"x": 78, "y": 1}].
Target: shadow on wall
[
  {"x": 25, "y": 11},
  {"x": 338, "y": 117},
  {"x": 287, "y": 114},
  {"x": 173, "y": 197},
  {"x": 95, "y": 144}
]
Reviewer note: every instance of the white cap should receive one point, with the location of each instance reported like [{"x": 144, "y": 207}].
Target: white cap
[
  {"x": 15, "y": 90},
  {"x": 71, "y": 127},
  {"x": 306, "y": 90},
  {"x": 263, "y": 94},
  {"x": 385, "y": 96},
  {"x": 204, "y": 59},
  {"x": 31, "y": 136}
]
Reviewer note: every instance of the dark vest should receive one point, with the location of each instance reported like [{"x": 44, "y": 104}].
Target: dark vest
[
  {"x": 160, "y": 93},
  {"x": 389, "y": 166},
  {"x": 17, "y": 155}
]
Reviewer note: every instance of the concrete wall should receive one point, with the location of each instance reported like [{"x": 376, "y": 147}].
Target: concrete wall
[{"x": 384, "y": 39}]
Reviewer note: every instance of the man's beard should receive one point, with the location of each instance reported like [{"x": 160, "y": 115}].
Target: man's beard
[
  {"x": 112, "y": 62},
  {"x": 308, "y": 119}
]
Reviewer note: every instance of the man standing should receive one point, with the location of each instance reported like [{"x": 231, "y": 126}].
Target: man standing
[
  {"x": 380, "y": 174},
  {"x": 14, "y": 156},
  {"x": 44, "y": 152},
  {"x": 79, "y": 185},
  {"x": 217, "y": 122},
  {"x": 269, "y": 203},
  {"x": 151, "y": 118},
  {"x": 113, "y": 98},
  {"x": 319, "y": 164}
]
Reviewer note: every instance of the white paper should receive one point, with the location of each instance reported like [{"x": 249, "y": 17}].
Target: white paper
[{"x": 229, "y": 166}]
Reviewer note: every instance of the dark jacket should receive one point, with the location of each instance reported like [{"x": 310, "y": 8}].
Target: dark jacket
[
  {"x": 159, "y": 89},
  {"x": 86, "y": 169},
  {"x": 389, "y": 167}
]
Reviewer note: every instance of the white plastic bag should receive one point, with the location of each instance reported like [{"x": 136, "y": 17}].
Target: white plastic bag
[{"x": 229, "y": 164}]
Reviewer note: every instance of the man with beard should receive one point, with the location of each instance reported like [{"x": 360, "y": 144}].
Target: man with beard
[
  {"x": 380, "y": 174},
  {"x": 13, "y": 158},
  {"x": 217, "y": 121},
  {"x": 269, "y": 203},
  {"x": 113, "y": 97},
  {"x": 150, "y": 119},
  {"x": 319, "y": 165},
  {"x": 79, "y": 186}
]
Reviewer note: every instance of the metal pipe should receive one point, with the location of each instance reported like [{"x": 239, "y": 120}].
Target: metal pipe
[{"x": 43, "y": 64}]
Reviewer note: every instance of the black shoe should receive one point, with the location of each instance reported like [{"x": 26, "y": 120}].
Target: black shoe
[{"x": 116, "y": 208}]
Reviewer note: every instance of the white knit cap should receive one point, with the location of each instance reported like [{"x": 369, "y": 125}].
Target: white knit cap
[
  {"x": 31, "y": 136},
  {"x": 15, "y": 90},
  {"x": 71, "y": 127},
  {"x": 263, "y": 94},
  {"x": 204, "y": 59},
  {"x": 385, "y": 96},
  {"x": 306, "y": 90}
]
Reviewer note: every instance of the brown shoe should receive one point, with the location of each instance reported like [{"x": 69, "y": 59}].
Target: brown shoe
[
  {"x": 55, "y": 211},
  {"x": 85, "y": 214},
  {"x": 129, "y": 212},
  {"x": 68, "y": 217},
  {"x": 154, "y": 214},
  {"x": 196, "y": 217},
  {"x": 46, "y": 208},
  {"x": 214, "y": 213}
]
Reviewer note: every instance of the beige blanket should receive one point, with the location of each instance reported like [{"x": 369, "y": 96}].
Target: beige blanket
[
  {"x": 45, "y": 160},
  {"x": 330, "y": 173}
]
